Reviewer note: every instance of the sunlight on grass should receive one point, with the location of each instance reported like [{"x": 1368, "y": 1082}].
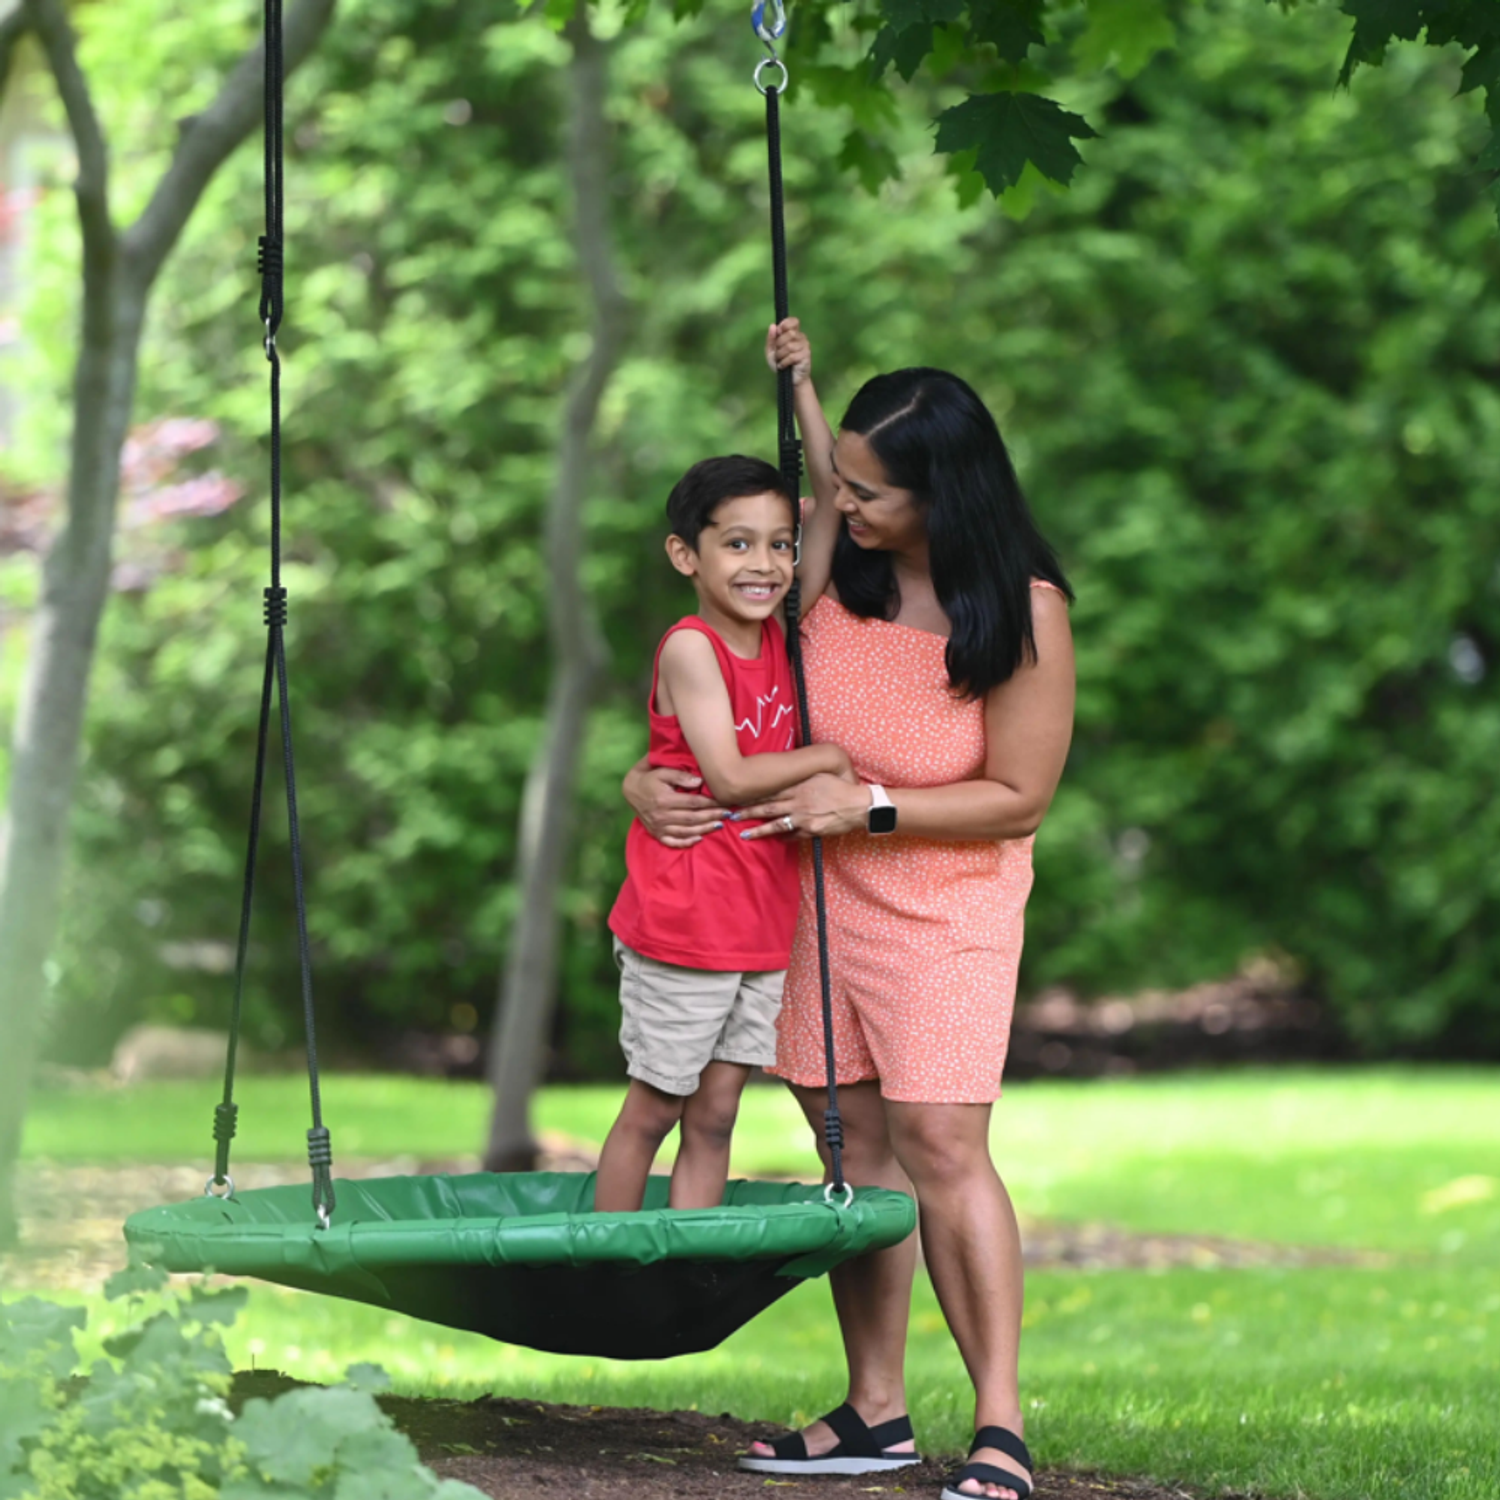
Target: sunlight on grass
[
  {"x": 1385, "y": 1159},
  {"x": 1335, "y": 1382}
]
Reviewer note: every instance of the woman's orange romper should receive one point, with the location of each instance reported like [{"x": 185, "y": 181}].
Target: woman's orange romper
[{"x": 924, "y": 934}]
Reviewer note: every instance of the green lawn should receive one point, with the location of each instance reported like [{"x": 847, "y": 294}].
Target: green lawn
[
  {"x": 1401, "y": 1160},
  {"x": 1329, "y": 1382}
]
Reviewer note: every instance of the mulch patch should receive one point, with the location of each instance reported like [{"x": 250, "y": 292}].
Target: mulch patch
[{"x": 516, "y": 1450}]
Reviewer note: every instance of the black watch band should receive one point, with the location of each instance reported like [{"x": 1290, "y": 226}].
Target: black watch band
[{"x": 881, "y": 817}]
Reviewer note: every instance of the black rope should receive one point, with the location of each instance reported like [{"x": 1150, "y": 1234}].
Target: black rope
[
  {"x": 790, "y": 450},
  {"x": 791, "y": 472},
  {"x": 271, "y": 267},
  {"x": 226, "y": 1113}
]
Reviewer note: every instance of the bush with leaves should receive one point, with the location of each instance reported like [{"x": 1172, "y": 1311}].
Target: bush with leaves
[
  {"x": 1246, "y": 365},
  {"x": 150, "y": 1421}
]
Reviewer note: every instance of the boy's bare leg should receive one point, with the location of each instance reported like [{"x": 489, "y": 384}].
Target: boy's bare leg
[
  {"x": 708, "y": 1118},
  {"x": 644, "y": 1122}
]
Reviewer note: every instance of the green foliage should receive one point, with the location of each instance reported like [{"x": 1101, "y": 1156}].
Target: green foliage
[
  {"x": 1246, "y": 366},
  {"x": 1470, "y": 25},
  {"x": 1002, "y": 50},
  {"x": 150, "y": 1421}
]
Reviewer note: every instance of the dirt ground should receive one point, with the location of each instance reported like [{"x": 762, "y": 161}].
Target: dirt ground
[{"x": 519, "y": 1450}]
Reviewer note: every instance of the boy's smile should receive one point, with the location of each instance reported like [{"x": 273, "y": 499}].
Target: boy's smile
[{"x": 742, "y": 565}]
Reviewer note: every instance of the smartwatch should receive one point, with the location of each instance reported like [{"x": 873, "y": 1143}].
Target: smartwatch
[{"x": 881, "y": 817}]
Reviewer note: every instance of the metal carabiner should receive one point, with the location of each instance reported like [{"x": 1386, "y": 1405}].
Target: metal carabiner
[{"x": 772, "y": 33}]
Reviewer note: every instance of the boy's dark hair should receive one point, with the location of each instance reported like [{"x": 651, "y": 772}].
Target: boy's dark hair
[{"x": 710, "y": 482}]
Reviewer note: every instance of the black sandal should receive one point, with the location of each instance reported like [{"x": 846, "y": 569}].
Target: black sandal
[
  {"x": 860, "y": 1449},
  {"x": 1012, "y": 1447}
]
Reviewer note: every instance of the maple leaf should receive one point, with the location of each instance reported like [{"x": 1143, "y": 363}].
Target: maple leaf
[{"x": 1007, "y": 130}]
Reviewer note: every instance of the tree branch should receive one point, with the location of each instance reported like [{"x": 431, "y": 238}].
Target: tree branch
[
  {"x": 48, "y": 20},
  {"x": 212, "y": 137},
  {"x": 12, "y": 29}
]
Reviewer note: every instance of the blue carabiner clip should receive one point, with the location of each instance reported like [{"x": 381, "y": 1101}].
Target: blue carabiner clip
[{"x": 773, "y": 33}]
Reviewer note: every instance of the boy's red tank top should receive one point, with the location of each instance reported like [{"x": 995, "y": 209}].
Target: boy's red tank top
[{"x": 725, "y": 904}]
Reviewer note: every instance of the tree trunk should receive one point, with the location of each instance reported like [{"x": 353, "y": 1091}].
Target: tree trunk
[
  {"x": 118, "y": 274},
  {"x": 517, "y": 1044},
  {"x": 75, "y": 584}
]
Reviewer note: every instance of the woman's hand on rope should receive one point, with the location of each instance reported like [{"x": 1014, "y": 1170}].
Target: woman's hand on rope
[
  {"x": 820, "y": 807},
  {"x": 787, "y": 347},
  {"x": 670, "y": 806}
]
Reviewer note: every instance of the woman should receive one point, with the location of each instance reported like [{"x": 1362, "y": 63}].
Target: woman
[{"x": 940, "y": 658}]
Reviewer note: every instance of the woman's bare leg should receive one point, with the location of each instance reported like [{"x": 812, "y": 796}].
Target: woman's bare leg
[
  {"x": 973, "y": 1252},
  {"x": 644, "y": 1122},
  {"x": 872, "y": 1293},
  {"x": 708, "y": 1116}
]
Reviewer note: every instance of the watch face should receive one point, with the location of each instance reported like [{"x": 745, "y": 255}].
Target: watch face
[{"x": 882, "y": 820}]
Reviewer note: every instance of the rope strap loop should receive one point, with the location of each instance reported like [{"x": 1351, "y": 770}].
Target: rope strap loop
[
  {"x": 320, "y": 1159},
  {"x": 270, "y": 265}
]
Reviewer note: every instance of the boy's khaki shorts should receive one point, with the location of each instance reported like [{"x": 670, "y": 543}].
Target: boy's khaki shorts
[{"x": 675, "y": 1021}]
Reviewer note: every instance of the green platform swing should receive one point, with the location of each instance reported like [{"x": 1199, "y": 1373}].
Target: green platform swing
[{"x": 520, "y": 1257}]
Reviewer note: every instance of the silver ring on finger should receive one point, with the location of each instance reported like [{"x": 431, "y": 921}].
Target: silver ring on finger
[{"x": 787, "y": 825}]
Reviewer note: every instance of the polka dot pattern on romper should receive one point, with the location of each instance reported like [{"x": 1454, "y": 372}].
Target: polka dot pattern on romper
[{"x": 924, "y": 934}]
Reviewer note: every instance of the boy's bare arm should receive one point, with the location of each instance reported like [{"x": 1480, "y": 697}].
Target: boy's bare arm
[{"x": 691, "y": 686}]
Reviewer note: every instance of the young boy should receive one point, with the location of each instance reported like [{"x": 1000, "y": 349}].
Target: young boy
[{"x": 703, "y": 934}]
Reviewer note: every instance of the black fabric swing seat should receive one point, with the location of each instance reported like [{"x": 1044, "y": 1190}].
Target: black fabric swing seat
[{"x": 522, "y": 1258}]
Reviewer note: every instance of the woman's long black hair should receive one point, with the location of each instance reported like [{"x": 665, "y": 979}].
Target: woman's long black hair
[{"x": 936, "y": 438}]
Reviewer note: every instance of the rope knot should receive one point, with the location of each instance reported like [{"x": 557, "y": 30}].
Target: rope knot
[
  {"x": 270, "y": 263},
  {"x": 270, "y": 259},
  {"x": 226, "y": 1119},
  {"x": 833, "y": 1129},
  {"x": 319, "y": 1147},
  {"x": 275, "y": 608}
]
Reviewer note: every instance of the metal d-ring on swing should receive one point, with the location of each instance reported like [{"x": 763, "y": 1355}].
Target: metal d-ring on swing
[
  {"x": 270, "y": 265},
  {"x": 770, "y": 28}
]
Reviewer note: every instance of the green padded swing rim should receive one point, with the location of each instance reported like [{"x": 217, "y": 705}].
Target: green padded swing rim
[{"x": 515, "y": 1218}]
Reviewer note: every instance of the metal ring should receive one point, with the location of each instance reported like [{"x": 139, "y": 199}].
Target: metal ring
[
  {"x": 325, "y": 1219},
  {"x": 213, "y": 1183},
  {"x": 787, "y": 823},
  {"x": 828, "y": 1194},
  {"x": 771, "y": 62}
]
